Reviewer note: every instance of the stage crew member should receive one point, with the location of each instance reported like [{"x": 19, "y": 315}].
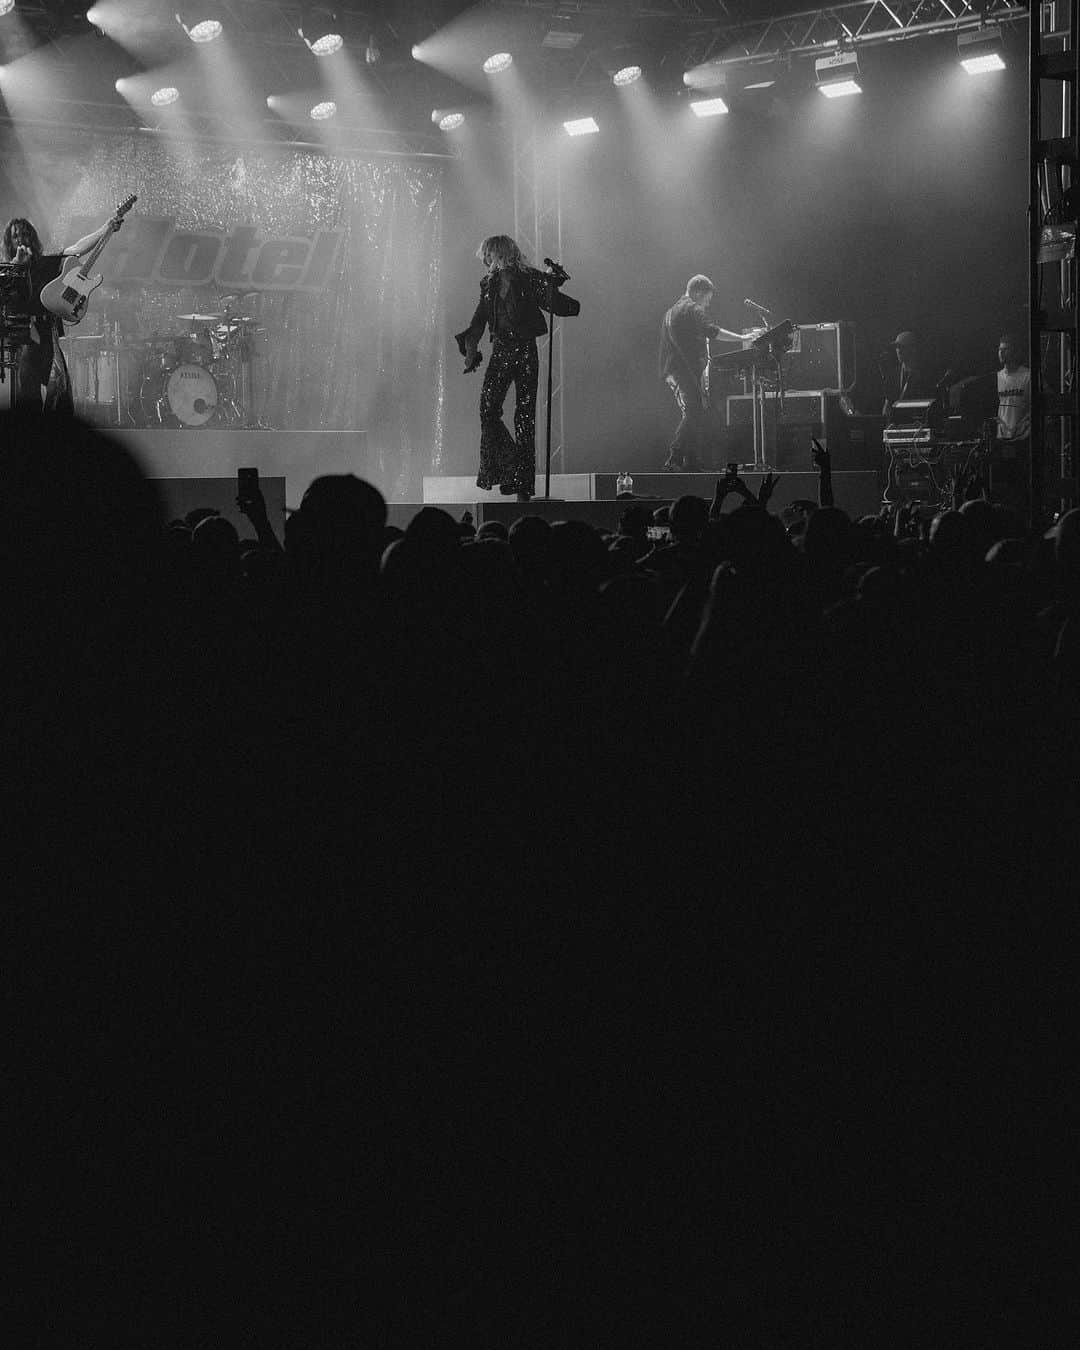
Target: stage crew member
[
  {"x": 513, "y": 298},
  {"x": 41, "y": 370},
  {"x": 1009, "y": 465}
]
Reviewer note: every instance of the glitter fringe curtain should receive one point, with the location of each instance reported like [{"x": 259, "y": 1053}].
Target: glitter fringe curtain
[{"x": 368, "y": 351}]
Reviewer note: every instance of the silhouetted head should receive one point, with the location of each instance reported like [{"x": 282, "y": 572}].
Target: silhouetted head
[
  {"x": 827, "y": 540},
  {"x": 578, "y": 554},
  {"x": 1067, "y": 550},
  {"x": 336, "y": 537},
  {"x": 433, "y": 528},
  {"x": 215, "y": 549},
  {"x": 688, "y": 518},
  {"x": 493, "y": 529},
  {"x": 79, "y": 518},
  {"x": 635, "y": 522},
  {"x": 948, "y": 537},
  {"x": 983, "y": 526}
]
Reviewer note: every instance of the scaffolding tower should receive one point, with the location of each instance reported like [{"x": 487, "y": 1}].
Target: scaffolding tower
[{"x": 1054, "y": 127}]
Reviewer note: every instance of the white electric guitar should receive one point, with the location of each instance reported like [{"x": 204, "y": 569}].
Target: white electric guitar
[{"x": 68, "y": 295}]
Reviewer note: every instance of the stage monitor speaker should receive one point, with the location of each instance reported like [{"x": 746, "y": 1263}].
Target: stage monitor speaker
[{"x": 823, "y": 357}]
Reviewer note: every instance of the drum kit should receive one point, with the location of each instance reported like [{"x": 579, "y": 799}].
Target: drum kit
[{"x": 198, "y": 376}]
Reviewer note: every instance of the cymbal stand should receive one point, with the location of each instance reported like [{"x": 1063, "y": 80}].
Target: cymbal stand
[{"x": 247, "y": 383}]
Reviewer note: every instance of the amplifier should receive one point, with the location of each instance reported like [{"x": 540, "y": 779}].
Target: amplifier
[
  {"x": 801, "y": 406},
  {"x": 853, "y": 441},
  {"x": 822, "y": 356}
]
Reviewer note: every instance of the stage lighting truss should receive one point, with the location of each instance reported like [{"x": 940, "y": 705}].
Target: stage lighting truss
[
  {"x": 448, "y": 119},
  {"x": 837, "y": 75},
  {"x": 161, "y": 98},
  {"x": 581, "y": 126},
  {"x": 322, "y": 112},
  {"x": 981, "y": 50},
  {"x": 497, "y": 62},
  {"x": 202, "y": 29},
  {"x": 626, "y": 75}
]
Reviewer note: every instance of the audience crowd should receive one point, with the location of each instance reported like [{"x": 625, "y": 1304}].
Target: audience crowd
[{"x": 537, "y": 934}]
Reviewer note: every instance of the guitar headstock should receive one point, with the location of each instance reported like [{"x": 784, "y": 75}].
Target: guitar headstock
[{"x": 125, "y": 206}]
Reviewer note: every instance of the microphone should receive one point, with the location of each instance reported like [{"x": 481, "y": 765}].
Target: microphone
[
  {"x": 557, "y": 267},
  {"x": 754, "y": 305}
]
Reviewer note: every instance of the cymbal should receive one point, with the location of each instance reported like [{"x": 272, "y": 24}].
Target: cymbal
[{"x": 202, "y": 318}]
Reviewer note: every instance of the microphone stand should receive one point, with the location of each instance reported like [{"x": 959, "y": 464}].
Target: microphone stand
[
  {"x": 556, "y": 275},
  {"x": 551, "y": 355}
]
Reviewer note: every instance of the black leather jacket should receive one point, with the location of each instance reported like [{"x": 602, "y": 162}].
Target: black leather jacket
[{"x": 511, "y": 307}]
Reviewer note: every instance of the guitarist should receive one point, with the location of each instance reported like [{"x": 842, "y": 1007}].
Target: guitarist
[
  {"x": 41, "y": 367},
  {"x": 684, "y": 359}
]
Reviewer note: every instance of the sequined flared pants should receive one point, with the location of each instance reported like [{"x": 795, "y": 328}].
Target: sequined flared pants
[{"x": 505, "y": 460}]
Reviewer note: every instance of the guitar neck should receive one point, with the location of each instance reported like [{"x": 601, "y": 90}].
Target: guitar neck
[{"x": 92, "y": 257}]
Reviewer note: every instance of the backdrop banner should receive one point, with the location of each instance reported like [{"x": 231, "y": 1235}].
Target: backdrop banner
[{"x": 336, "y": 261}]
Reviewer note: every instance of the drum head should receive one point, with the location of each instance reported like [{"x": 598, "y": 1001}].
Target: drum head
[{"x": 191, "y": 393}]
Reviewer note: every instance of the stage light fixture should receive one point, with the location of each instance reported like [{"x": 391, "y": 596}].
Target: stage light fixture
[
  {"x": 325, "y": 45},
  {"x": 161, "y": 98},
  {"x": 202, "y": 30},
  {"x": 581, "y": 126},
  {"x": 448, "y": 119},
  {"x": 762, "y": 74},
  {"x": 708, "y": 107},
  {"x": 372, "y": 54},
  {"x": 627, "y": 75},
  {"x": 6, "y": 6},
  {"x": 981, "y": 51},
  {"x": 322, "y": 112},
  {"x": 497, "y": 62},
  {"x": 837, "y": 75}
]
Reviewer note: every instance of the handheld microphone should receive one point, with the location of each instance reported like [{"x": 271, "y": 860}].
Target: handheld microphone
[{"x": 557, "y": 267}]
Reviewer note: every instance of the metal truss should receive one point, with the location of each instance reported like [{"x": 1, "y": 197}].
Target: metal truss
[
  {"x": 701, "y": 30},
  {"x": 854, "y": 24},
  {"x": 538, "y": 229}
]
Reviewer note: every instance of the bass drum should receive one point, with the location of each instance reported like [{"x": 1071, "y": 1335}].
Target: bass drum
[
  {"x": 192, "y": 395},
  {"x": 187, "y": 395}
]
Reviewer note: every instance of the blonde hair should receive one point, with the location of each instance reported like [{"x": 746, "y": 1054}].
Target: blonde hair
[{"x": 498, "y": 251}]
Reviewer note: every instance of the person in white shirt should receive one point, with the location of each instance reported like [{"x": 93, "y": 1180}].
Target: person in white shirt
[
  {"x": 1014, "y": 392},
  {"x": 1010, "y": 459}
]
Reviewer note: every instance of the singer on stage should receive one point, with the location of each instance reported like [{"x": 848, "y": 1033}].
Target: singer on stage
[{"x": 513, "y": 298}]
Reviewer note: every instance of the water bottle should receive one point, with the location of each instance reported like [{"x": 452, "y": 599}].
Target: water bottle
[{"x": 624, "y": 485}]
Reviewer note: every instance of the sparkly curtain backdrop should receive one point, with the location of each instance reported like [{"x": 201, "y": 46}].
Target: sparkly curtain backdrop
[{"x": 364, "y": 352}]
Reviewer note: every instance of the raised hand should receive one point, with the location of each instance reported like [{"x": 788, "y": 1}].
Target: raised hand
[
  {"x": 767, "y": 487},
  {"x": 821, "y": 457}
]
